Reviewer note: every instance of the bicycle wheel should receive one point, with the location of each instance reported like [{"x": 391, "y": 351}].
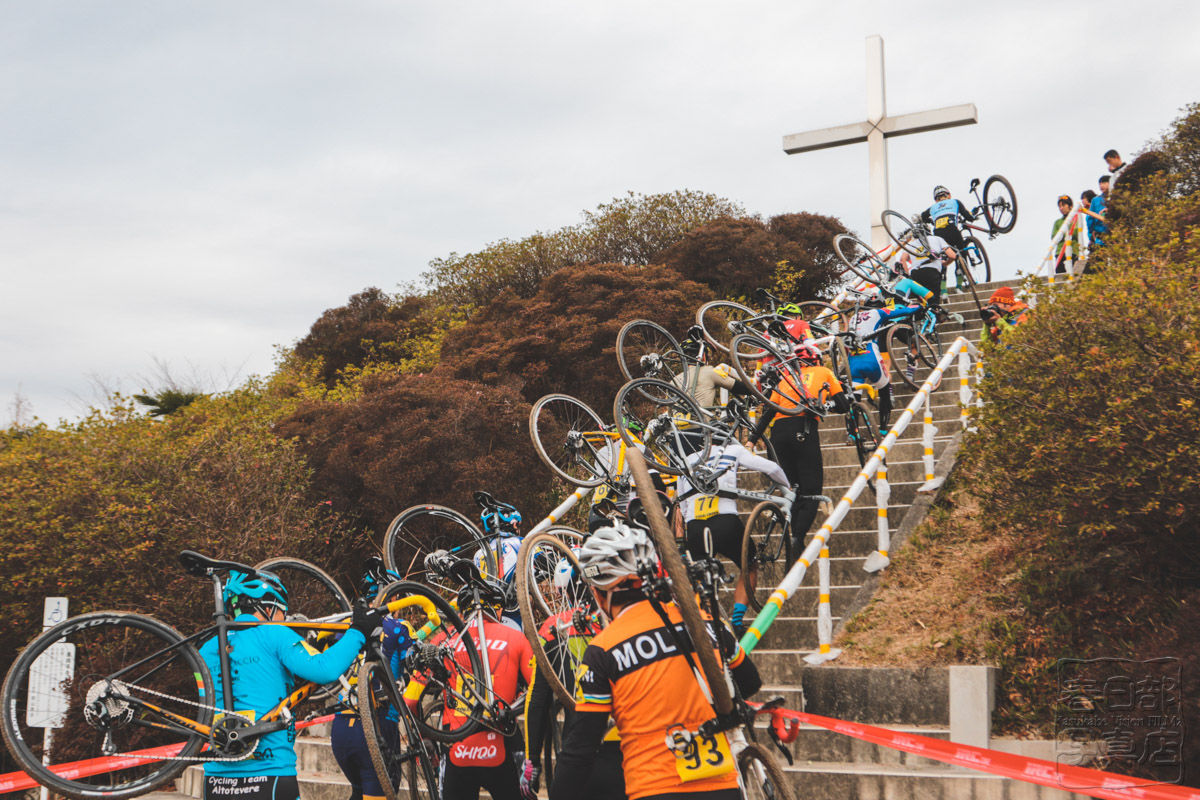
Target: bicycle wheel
[
  {"x": 766, "y": 550},
  {"x": 418, "y": 531},
  {"x": 839, "y": 365},
  {"x": 974, "y": 260},
  {"x": 912, "y": 355},
  {"x": 999, "y": 204},
  {"x": 823, "y": 318},
  {"x": 558, "y": 618},
  {"x": 681, "y": 586},
  {"x": 862, "y": 433},
  {"x": 570, "y": 439},
  {"x": 860, "y": 259},
  {"x": 445, "y": 660},
  {"x": 378, "y": 699},
  {"x": 762, "y": 778},
  {"x": 92, "y": 674},
  {"x": 312, "y": 592},
  {"x": 714, "y": 319},
  {"x": 647, "y": 350},
  {"x": 665, "y": 420},
  {"x": 536, "y": 562},
  {"x": 764, "y": 367},
  {"x": 908, "y": 237}
]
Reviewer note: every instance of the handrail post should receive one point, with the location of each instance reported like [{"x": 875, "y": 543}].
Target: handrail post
[
  {"x": 883, "y": 493},
  {"x": 825, "y": 649}
]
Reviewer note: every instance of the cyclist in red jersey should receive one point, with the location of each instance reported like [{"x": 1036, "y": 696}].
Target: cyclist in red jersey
[{"x": 484, "y": 759}]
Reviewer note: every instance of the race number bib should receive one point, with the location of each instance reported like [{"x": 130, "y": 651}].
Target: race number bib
[
  {"x": 704, "y": 506},
  {"x": 705, "y": 757},
  {"x": 941, "y": 222}
]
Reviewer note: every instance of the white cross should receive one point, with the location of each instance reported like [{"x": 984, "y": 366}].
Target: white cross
[{"x": 875, "y": 132}]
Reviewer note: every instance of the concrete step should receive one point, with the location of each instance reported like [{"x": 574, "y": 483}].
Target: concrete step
[{"x": 838, "y": 781}]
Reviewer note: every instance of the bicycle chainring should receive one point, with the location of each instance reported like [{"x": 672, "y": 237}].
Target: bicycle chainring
[{"x": 226, "y": 739}]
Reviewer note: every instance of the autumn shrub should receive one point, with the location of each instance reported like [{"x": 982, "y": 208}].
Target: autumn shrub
[
  {"x": 563, "y": 339},
  {"x": 792, "y": 254},
  {"x": 99, "y": 511},
  {"x": 373, "y": 329},
  {"x": 411, "y": 439},
  {"x": 1087, "y": 445},
  {"x": 632, "y": 229}
]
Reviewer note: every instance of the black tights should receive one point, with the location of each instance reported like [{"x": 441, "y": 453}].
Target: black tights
[{"x": 797, "y": 443}]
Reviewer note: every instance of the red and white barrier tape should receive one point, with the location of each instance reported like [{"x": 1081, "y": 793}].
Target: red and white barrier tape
[
  {"x": 1091, "y": 782},
  {"x": 19, "y": 781}
]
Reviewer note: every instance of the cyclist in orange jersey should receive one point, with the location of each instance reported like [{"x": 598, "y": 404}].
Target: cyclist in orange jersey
[{"x": 636, "y": 671}]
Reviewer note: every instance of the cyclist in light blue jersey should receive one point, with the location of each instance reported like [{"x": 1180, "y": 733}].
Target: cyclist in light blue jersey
[
  {"x": 266, "y": 662},
  {"x": 944, "y": 214}
]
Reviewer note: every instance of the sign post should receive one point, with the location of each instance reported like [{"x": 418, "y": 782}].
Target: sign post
[{"x": 48, "y": 701}]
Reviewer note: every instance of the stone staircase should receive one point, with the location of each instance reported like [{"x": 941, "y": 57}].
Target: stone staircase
[{"x": 922, "y": 701}]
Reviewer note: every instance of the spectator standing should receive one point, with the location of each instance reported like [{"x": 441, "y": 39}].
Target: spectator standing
[
  {"x": 1115, "y": 165},
  {"x": 1071, "y": 245},
  {"x": 1097, "y": 213}
]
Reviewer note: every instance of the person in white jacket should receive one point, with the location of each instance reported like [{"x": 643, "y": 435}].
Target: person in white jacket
[{"x": 717, "y": 512}]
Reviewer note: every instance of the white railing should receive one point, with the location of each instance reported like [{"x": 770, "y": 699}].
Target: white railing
[{"x": 818, "y": 548}]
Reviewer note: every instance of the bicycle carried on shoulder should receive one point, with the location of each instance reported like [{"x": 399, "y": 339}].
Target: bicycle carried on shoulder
[{"x": 133, "y": 700}]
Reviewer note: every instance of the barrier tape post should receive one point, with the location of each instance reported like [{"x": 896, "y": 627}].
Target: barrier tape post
[
  {"x": 557, "y": 514},
  {"x": 795, "y": 575}
]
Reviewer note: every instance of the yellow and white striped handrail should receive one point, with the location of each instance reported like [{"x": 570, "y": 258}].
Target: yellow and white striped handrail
[{"x": 818, "y": 548}]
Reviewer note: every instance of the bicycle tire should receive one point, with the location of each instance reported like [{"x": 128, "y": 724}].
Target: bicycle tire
[
  {"x": 747, "y": 350},
  {"x": 536, "y": 609},
  {"x": 766, "y": 550},
  {"x": 839, "y": 365},
  {"x": 898, "y": 338},
  {"x": 866, "y": 438},
  {"x": 640, "y": 338},
  {"x": 419, "y": 530},
  {"x": 312, "y": 592},
  {"x": 980, "y": 272},
  {"x": 450, "y": 635},
  {"x": 106, "y": 645},
  {"x": 392, "y": 765},
  {"x": 559, "y": 426},
  {"x": 860, "y": 259},
  {"x": 645, "y": 400},
  {"x": 714, "y": 318},
  {"x": 907, "y": 236},
  {"x": 681, "y": 587},
  {"x": 761, "y": 776},
  {"x": 825, "y": 318},
  {"x": 527, "y": 567},
  {"x": 999, "y": 204}
]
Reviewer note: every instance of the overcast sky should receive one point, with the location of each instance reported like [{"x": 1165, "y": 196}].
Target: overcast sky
[{"x": 190, "y": 184}]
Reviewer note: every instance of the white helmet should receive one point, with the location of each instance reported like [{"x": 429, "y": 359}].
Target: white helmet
[{"x": 611, "y": 554}]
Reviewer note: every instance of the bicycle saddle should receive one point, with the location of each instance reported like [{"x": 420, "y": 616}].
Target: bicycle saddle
[
  {"x": 456, "y": 569},
  {"x": 202, "y": 566},
  {"x": 485, "y": 500}
]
